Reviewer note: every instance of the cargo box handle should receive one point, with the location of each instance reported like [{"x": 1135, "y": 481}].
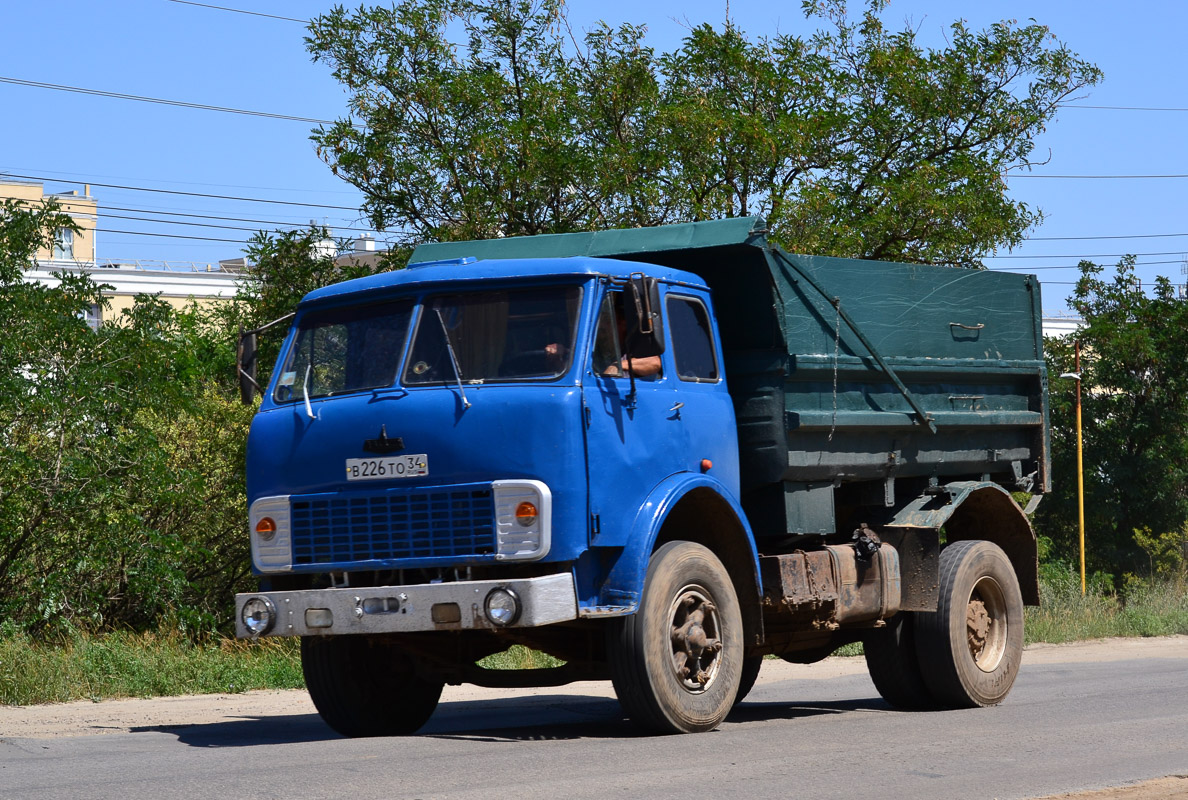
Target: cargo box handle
[
  {"x": 922, "y": 417},
  {"x": 975, "y": 327}
]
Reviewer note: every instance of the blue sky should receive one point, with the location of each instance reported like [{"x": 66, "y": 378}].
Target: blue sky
[{"x": 177, "y": 51}]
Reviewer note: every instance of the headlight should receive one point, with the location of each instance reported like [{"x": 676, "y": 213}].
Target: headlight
[
  {"x": 523, "y": 520},
  {"x": 502, "y": 606},
  {"x": 258, "y": 615}
]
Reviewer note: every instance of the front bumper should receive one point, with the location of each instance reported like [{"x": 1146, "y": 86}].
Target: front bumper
[{"x": 407, "y": 609}]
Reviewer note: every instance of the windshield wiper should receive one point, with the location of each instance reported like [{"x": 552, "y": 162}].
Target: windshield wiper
[
  {"x": 453, "y": 358},
  {"x": 305, "y": 391}
]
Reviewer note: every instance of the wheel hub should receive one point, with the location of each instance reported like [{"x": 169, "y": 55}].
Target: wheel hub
[
  {"x": 977, "y": 625},
  {"x": 695, "y": 645},
  {"x": 986, "y": 624}
]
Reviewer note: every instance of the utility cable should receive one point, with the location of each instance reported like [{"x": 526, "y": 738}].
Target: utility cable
[
  {"x": 1121, "y": 108},
  {"x": 1093, "y": 177},
  {"x": 180, "y": 103},
  {"x": 187, "y": 194},
  {"x": 1093, "y": 255},
  {"x": 240, "y": 11},
  {"x": 171, "y": 236},
  {"x": 1087, "y": 238},
  {"x": 104, "y": 209}
]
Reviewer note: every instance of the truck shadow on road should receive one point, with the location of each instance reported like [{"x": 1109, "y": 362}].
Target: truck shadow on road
[{"x": 543, "y": 718}]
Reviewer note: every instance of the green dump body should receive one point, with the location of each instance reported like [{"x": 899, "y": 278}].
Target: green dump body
[{"x": 857, "y": 385}]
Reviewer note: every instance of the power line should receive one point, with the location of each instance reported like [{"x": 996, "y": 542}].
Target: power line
[
  {"x": 171, "y": 236},
  {"x": 188, "y": 194},
  {"x": 161, "y": 101},
  {"x": 1094, "y": 255},
  {"x": 1075, "y": 266},
  {"x": 1087, "y": 238},
  {"x": 207, "y": 224},
  {"x": 104, "y": 213},
  {"x": 240, "y": 11},
  {"x": 86, "y": 178},
  {"x": 179, "y": 222},
  {"x": 1094, "y": 177},
  {"x": 1121, "y": 108}
]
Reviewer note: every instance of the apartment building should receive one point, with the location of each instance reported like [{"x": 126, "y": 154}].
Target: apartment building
[{"x": 176, "y": 282}]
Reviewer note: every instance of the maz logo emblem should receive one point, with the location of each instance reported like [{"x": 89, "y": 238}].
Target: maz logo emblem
[{"x": 383, "y": 444}]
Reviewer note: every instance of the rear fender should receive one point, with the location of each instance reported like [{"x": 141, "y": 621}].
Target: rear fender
[{"x": 983, "y": 511}]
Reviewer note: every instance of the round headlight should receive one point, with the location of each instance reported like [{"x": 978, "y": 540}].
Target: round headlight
[
  {"x": 502, "y": 606},
  {"x": 258, "y": 615}
]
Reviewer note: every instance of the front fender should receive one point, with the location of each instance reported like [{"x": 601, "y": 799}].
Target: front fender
[{"x": 722, "y": 527}]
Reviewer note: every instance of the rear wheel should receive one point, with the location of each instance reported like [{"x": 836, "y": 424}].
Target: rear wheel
[
  {"x": 971, "y": 646},
  {"x": 364, "y": 687},
  {"x": 894, "y": 665},
  {"x": 676, "y": 663}
]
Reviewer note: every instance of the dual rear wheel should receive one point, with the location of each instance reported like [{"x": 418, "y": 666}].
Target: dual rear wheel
[{"x": 967, "y": 652}]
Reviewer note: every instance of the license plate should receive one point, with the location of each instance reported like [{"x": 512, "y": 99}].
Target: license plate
[{"x": 375, "y": 469}]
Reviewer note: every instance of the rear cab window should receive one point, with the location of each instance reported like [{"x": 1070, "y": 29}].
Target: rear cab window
[{"x": 693, "y": 349}]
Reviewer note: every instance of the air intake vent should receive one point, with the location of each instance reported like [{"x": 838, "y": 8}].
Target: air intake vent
[{"x": 424, "y": 524}]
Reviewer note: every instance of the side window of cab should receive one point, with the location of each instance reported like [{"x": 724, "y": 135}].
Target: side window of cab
[
  {"x": 612, "y": 353},
  {"x": 692, "y": 339}
]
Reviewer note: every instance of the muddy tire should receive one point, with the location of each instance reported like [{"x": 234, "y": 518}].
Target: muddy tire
[
  {"x": 748, "y": 676},
  {"x": 971, "y": 646},
  {"x": 894, "y": 666},
  {"x": 363, "y": 687},
  {"x": 676, "y": 663}
]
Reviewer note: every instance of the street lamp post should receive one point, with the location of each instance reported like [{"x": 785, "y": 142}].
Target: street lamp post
[{"x": 1076, "y": 375}]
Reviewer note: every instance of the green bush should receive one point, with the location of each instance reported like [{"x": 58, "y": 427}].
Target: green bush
[
  {"x": 1146, "y": 607},
  {"x": 80, "y": 666}
]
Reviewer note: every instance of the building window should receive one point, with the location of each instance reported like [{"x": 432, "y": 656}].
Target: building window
[
  {"x": 93, "y": 316},
  {"x": 64, "y": 244}
]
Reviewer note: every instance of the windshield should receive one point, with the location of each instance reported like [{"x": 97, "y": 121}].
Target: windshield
[
  {"x": 494, "y": 336},
  {"x": 345, "y": 350}
]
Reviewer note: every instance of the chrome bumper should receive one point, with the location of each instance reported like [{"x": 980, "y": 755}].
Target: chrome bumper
[{"x": 406, "y": 609}]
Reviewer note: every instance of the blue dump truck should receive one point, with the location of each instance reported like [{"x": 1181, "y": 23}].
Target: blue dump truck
[{"x": 658, "y": 455}]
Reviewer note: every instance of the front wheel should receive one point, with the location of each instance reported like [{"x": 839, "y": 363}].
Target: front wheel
[
  {"x": 366, "y": 687},
  {"x": 970, "y": 648},
  {"x": 676, "y": 663}
]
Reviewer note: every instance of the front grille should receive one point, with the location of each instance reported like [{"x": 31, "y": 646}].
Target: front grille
[{"x": 428, "y": 523}]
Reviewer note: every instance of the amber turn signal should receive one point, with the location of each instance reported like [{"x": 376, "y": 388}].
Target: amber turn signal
[
  {"x": 266, "y": 528},
  {"x": 526, "y": 514}
]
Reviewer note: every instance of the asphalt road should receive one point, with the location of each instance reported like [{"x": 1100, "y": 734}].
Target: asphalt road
[{"x": 1066, "y": 726}]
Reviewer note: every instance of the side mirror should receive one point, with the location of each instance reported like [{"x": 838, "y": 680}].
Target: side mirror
[
  {"x": 245, "y": 365},
  {"x": 245, "y": 360},
  {"x": 645, "y": 326}
]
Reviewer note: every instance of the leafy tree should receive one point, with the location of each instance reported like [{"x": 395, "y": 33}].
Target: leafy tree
[
  {"x": 25, "y": 229},
  {"x": 288, "y": 264},
  {"x": 857, "y": 141},
  {"x": 121, "y": 453},
  {"x": 1134, "y": 367}
]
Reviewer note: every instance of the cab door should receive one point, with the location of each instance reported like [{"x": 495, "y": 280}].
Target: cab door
[{"x": 634, "y": 428}]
